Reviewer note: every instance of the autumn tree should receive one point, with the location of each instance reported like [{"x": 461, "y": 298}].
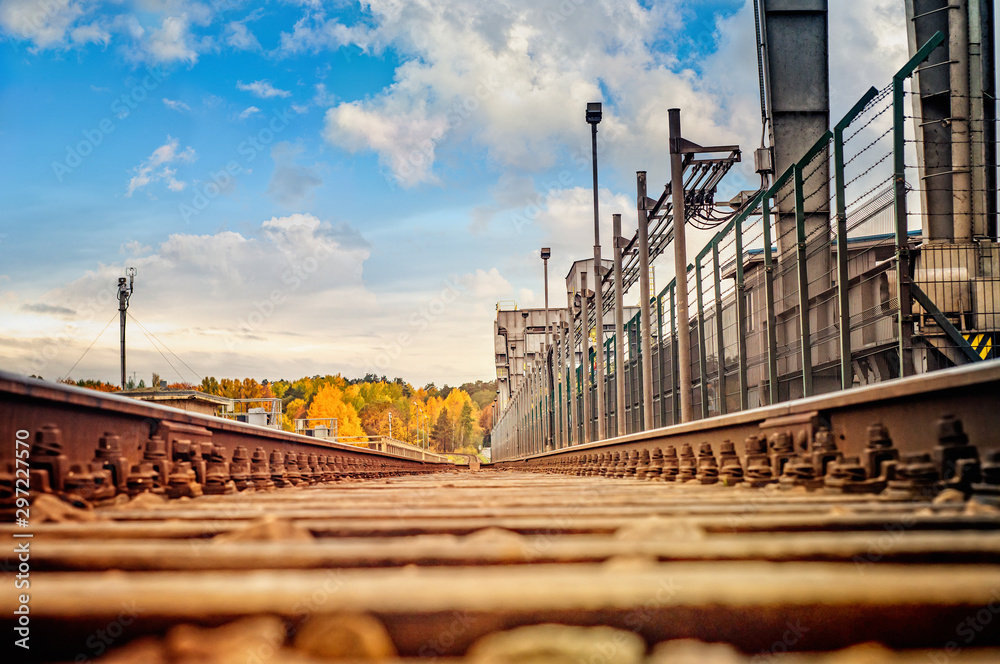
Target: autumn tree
[{"x": 329, "y": 402}]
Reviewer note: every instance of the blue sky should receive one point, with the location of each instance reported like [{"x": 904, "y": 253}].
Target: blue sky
[{"x": 309, "y": 187}]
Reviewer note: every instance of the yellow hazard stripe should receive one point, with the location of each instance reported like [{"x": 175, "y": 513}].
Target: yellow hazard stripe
[{"x": 984, "y": 353}]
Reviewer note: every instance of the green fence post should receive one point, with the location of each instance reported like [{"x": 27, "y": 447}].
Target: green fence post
[
  {"x": 772, "y": 333},
  {"x": 720, "y": 340},
  {"x": 904, "y": 320},
  {"x": 741, "y": 319},
  {"x": 803, "y": 273},
  {"x": 702, "y": 357},
  {"x": 674, "y": 375},
  {"x": 843, "y": 277}
]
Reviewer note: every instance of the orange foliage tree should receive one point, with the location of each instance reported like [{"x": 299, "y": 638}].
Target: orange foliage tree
[{"x": 329, "y": 402}]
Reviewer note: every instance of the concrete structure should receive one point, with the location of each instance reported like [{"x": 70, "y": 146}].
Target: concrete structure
[{"x": 190, "y": 400}]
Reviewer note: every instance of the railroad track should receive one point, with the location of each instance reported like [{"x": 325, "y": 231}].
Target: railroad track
[{"x": 585, "y": 559}]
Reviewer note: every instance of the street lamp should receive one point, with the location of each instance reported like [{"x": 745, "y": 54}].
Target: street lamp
[
  {"x": 594, "y": 118},
  {"x": 546, "y": 254}
]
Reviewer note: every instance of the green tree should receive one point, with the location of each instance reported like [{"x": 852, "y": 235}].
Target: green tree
[
  {"x": 464, "y": 426},
  {"x": 443, "y": 432}
]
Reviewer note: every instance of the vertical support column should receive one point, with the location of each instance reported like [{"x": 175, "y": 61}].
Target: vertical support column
[
  {"x": 772, "y": 333},
  {"x": 843, "y": 285},
  {"x": 585, "y": 356},
  {"x": 803, "y": 278},
  {"x": 674, "y": 372},
  {"x": 680, "y": 262},
  {"x": 719, "y": 331},
  {"x": 573, "y": 413},
  {"x": 619, "y": 330},
  {"x": 904, "y": 327},
  {"x": 660, "y": 361},
  {"x": 702, "y": 352},
  {"x": 961, "y": 147},
  {"x": 741, "y": 319},
  {"x": 599, "y": 367},
  {"x": 645, "y": 353}
]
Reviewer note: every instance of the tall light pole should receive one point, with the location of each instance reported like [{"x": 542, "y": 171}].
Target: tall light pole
[
  {"x": 550, "y": 408},
  {"x": 680, "y": 263},
  {"x": 585, "y": 362},
  {"x": 594, "y": 118},
  {"x": 619, "y": 329},
  {"x": 124, "y": 293}
]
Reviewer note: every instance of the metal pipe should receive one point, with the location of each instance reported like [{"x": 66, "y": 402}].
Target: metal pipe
[
  {"x": 573, "y": 413},
  {"x": 719, "y": 332},
  {"x": 772, "y": 332},
  {"x": 599, "y": 369},
  {"x": 805, "y": 335},
  {"x": 680, "y": 264},
  {"x": 702, "y": 351},
  {"x": 598, "y": 299},
  {"x": 585, "y": 356},
  {"x": 619, "y": 329},
  {"x": 961, "y": 147},
  {"x": 549, "y": 412},
  {"x": 741, "y": 319},
  {"x": 645, "y": 352},
  {"x": 843, "y": 286}
]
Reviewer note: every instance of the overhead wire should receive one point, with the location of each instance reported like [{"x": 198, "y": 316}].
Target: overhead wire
[{"x": 89, "y": 347}]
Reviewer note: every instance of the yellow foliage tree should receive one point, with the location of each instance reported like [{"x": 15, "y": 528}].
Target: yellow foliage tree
[{"x": 330, "y": 402}]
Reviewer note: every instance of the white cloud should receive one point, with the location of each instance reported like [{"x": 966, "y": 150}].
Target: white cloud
[
  {"x": 45, "y": 23},
  {"x": 240, "y": 38},
  {"x": 175, "y": 105},
  {"x": 248, "y": 112},
  {"x": 172, "y": 41},
  {"x": 90, "y": 33},
  {"x": 314, "y": 33},
  {"x": 155, "y": 167},
  {"x": 285, "y": 300},
  {"x": 262, "y": 89},
  {"x": 404, "y": 136},
  {"x": 515, "y": 79}
]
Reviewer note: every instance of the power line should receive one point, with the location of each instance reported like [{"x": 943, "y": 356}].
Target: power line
[
  {"x": 88, "y": 348},
  {"x": 150, "y": 334}
]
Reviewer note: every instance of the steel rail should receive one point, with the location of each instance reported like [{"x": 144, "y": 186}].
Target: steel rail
[{"x": 96, "y": 445}]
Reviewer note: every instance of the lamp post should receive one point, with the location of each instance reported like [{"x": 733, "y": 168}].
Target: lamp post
[
  {"x": 594, "y": 118},
  {"x": 124, "y": 293},
  {"x": 550, "y": 409}
]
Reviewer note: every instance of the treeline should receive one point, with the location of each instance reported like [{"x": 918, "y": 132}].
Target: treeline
[{"x": 448, "y": 419}]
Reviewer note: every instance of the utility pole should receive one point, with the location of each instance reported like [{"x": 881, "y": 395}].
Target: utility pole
[
  {"x": 680, "y": 264},
  {"x": 619, "y": 329},
  {"x": 550, "y": 407},
  {"x": 594, "y": 115},
  {"x": 585, "y": 361},
  {"x": 124, "y": 293}
]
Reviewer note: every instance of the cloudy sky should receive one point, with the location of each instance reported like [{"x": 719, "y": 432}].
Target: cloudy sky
[{"x": 310, "y": 187}]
